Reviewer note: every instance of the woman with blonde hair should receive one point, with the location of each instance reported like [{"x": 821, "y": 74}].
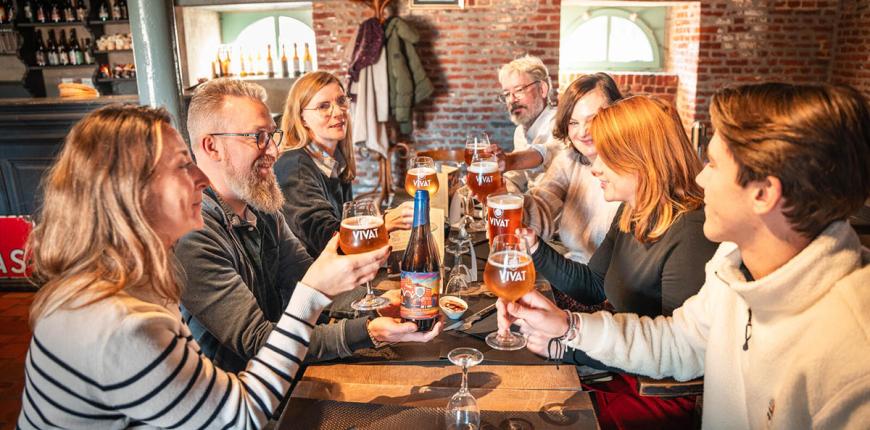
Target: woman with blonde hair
[
  {"x": 652, "y": 258},
  {"x": 109, "y": 346},
  {"x": 317, "y": 164}
]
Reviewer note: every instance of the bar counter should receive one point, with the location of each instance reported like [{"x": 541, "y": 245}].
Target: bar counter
[{"x": 33, "y": 130}]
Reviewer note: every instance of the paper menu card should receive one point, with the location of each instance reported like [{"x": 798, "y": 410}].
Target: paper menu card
[{"x": 399, "y": 238}]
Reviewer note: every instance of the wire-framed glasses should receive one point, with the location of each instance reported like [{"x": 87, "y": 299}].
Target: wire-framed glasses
[
  {"x": 327, "y": 108},
  {"x": 516, "y": 93}
]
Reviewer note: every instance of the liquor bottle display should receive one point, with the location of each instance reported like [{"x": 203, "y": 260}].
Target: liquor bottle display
[
  {"x": 308, "y": 62},
  {"x": 421, "y": 270},
  {"x": 41, "y": 54}
]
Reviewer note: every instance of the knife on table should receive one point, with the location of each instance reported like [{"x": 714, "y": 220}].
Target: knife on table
[{"x": 467, "y": 322}]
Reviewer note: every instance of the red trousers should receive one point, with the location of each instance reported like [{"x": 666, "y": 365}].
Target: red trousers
[{"x": 619, "y": 406}]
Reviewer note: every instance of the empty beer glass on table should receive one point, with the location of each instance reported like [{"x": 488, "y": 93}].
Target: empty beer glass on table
[
  {"x": 422, "y": 175},
  {"x": 504, "y": 214},
  {"x": 362, "y": 230},
  {"x": 509, "y": 274}
]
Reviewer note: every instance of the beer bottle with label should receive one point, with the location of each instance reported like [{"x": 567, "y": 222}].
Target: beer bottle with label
[
  {"x": 421, "y": 270},
  {"x": 308, "y": 61},
  {"x": 297, "y": 66},
  {"x": 285, "y": 68}
]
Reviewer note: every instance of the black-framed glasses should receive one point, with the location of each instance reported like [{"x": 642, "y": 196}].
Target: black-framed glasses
[
  {"x": 516, "y": 93},
  {"x": 328, "y": 108},
  {"x": 261, "y": 137}
]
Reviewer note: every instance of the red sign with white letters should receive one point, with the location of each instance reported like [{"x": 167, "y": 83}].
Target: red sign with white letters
[{"x": 13, "y": 236}]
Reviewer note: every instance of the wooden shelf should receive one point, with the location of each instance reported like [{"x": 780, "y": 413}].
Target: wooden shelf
[
  {"x": 79, "y": 66},
  {"x": 114, "y": 51},
  {"x": 110, "y": 80},
  {"x": 99, "y": 22},
  {"x": 52, "y": 24}
]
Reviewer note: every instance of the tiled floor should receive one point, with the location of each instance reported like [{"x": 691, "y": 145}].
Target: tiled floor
[{"x": 14, "y": 339}]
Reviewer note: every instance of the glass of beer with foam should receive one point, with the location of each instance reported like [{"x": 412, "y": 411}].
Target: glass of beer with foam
[
  {"x": 509, "y": 274},
  {"x": 421, "y": 176},
  {"x": 362, "y": 230},
  {"x": 504, "y": 214}
]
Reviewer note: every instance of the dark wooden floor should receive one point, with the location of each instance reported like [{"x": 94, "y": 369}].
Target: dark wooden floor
[{"x": 14, "y": 339}]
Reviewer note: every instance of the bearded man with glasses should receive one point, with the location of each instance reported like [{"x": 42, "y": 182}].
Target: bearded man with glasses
[
  {"x": 240, "y": 270},
  {"x": 525, "y": 89}
]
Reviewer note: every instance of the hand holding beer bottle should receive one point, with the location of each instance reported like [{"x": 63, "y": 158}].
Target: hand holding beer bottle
[
  {"x": 362, "y": 230},
  {"x": 509, "y": 274}
]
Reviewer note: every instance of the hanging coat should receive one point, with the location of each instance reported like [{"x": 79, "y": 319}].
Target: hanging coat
[{"x": 408, "y": 82}]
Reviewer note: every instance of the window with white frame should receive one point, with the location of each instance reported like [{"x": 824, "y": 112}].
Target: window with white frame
[{"x": 611, "y": 39}]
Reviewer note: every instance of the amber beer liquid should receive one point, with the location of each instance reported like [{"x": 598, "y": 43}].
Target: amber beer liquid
[
  {"x": 361, "y": 234},
  {"x": 483, "y": 178},
  {"x": 421, "y": 178},
  {"x": 421, "y": 270},
  {"x": 509, "y": 274},
  {"x": 504, "y": 214},
  {"x": 481, "y": 149}
]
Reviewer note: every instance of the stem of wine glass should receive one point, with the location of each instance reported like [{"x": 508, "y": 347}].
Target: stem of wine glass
[
  {"x": 369, "y": 292},
  {"x": 464, "y": 387}
]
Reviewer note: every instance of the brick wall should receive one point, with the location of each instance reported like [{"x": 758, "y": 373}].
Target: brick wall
[
  {"x": 683, "y": 39},
  {"x": 852, "y": 46},
  {"x": 743, "y": 42},
  {"x": 461, "y": 51},
  {"x": 710, "y": 44}
]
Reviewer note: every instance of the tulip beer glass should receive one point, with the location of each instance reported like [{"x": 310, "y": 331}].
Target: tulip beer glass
[
  {"x": 362, "y": 230},
  {"x": 509, "y": 274}
]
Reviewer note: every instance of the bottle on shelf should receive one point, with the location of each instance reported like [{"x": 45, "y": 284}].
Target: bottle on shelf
[
  {"x": 62, "y": 49},
  {"x": 285, "y": 67},
  {"x": 122, "y": 4},
  {"x": 88, "y": 52},
  {"x": 116, "y": 10},
  {"x": 81, "y": 11},
  {"x": 308, "y": 62},
  {"x": 270, "y": 66},
  {"x": 51, "y": 50},
  {"x": 69, "y": 13},
  {"x": 258, "y": 66},
  {"x": 54, "y": 12},
  {"x": 103, "y": 11},
  {"x": 421, "y": 270},
  {"x": 75, "y": 48},
  {"x": 29, "y": 13},
  {"x": 242, "y": 72},
  {"x": 40, "y": 12},
  {"x": 41, "y": 54},
  {"x": 297, "y": 66}
]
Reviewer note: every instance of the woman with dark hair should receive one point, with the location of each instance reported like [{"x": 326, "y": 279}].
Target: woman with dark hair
[{"x": 568, "y": 199}]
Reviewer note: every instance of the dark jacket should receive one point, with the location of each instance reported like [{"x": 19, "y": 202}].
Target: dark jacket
[
  {"x": 408, "y": 82},
  {"x": 648, "y": 279},
  {"x": 312, "y": 200},
  {"x": 238, "y": 277}
]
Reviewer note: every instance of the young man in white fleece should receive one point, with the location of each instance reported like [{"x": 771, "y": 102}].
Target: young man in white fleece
[{"x": 781, "y": 328}]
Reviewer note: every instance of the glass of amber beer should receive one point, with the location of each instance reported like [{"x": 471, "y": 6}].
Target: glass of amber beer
[
  {"x": 421, "y": 176},
  {"x": 476, "y": 142},
  {"x": 504, "y": 214},
  {"x": 362, "y": 230},
  {"x": 509, "y": 274},
  {"x": 483, "y": 178}
]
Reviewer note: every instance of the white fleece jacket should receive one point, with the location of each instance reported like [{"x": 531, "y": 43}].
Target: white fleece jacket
[{"x": 807, "y": 362}]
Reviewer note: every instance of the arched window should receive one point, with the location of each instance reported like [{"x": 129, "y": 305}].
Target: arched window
[
  {"x": 278, "y": 31},
  {"x": 609, "y": 39}
]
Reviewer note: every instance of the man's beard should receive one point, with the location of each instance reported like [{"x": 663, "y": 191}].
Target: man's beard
[
  {"x": 531, "y": 113},
  {"x": 261, "y": 192}
]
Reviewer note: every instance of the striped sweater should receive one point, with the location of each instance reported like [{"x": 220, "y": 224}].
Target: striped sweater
[{"x": 126, "y": 362}]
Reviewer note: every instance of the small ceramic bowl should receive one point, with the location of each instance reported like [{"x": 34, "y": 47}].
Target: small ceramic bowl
[{"x": 453, "y": 306}]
